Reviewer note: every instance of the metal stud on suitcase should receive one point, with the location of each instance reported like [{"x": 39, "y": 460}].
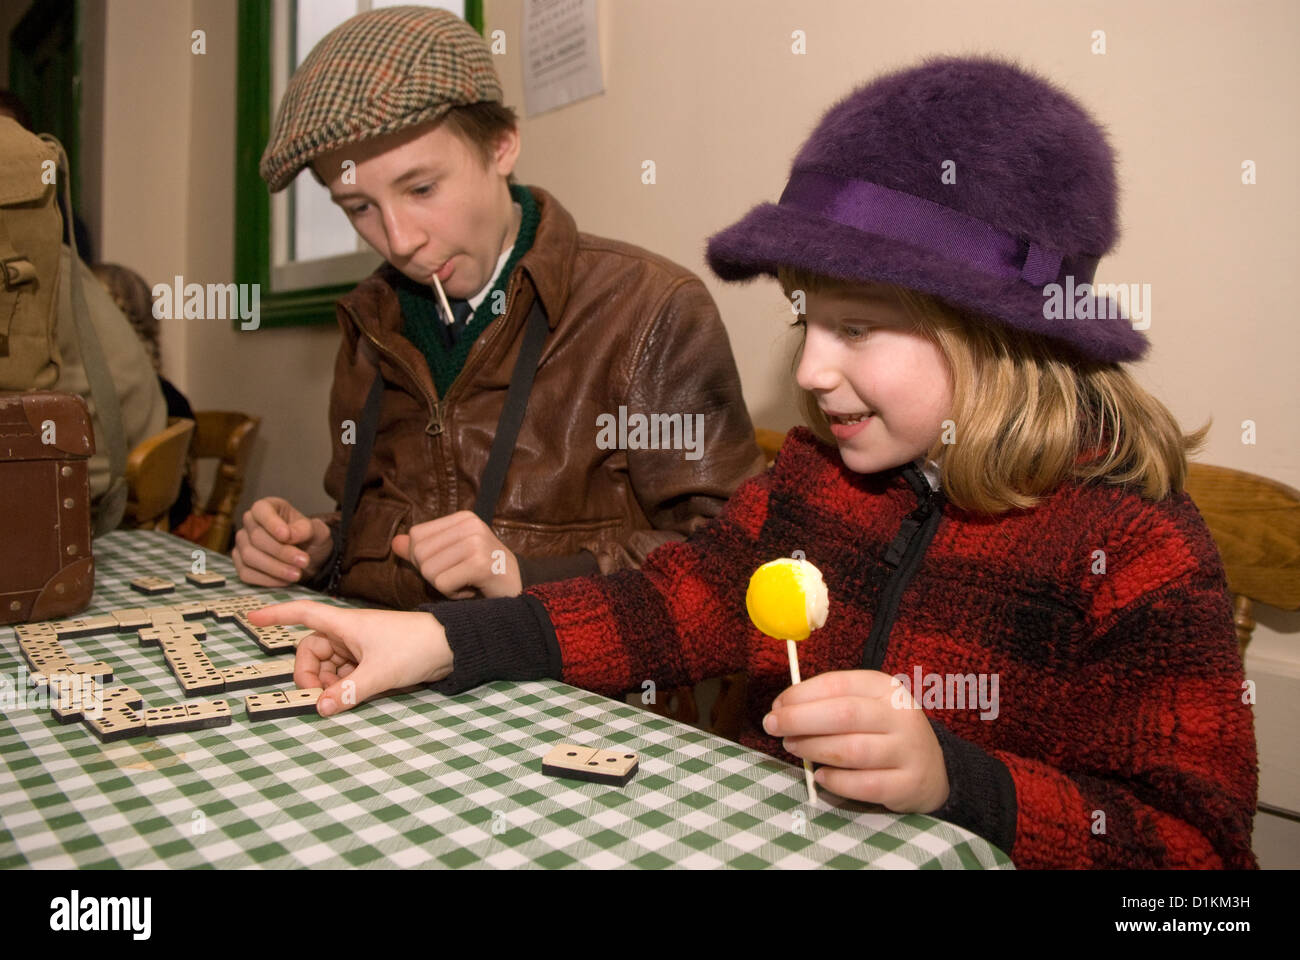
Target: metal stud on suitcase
[{"x": 46, "y": 567}]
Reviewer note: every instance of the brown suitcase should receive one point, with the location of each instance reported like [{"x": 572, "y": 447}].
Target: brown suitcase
[{"x": 46, "y": 567}]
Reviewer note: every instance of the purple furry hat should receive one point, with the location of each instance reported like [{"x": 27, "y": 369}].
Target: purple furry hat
[{"x": 968, "y": 178}]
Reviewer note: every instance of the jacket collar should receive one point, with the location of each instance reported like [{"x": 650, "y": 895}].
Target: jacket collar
[
  {"x": 549, "y": 264},
  {"x": 550, "y": 261}
]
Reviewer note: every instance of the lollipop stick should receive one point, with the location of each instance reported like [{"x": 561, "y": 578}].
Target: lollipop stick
[
  {"x": 447, "y": 316},
  {"x": 794, "y": 678}
]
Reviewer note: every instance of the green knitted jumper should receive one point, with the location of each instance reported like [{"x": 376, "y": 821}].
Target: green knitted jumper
[{"x": 421, "y": 318}]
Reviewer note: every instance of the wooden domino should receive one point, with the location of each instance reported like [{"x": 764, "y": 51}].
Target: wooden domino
[
  {"x": 131, "y": 618},
  {"x": 116, "y": 718},
  {"x": 70, "y": 698},
  {"x": 571, "y": 762},
  {"x": 181, "y": 633},
  {"x": 152, "y": 585},
  {"x": 206, "y": 580},
  {"x": 84, "y": 626},
  {"x": 100, "y": 670},
  {"x": 272, "y": 639},
  {"x": 34, "y": 631},
  {"x": 195, "y": 673},
  {"x": 118, "y": 697},
  {"x": 44, "y": 656},
  {"x": 281, "y": 703},
  {"x": 228, "y": 608},
  {"x": 276, "y": 638},
  {"x": 191, "y": 609},
  {"x": 164, "y": 616},
  {"x": 258, "y": 674},
  {"x": 178, "y": 717},
  {"x": 44, "y": 643},
  {"x": 110, "y": 725}
]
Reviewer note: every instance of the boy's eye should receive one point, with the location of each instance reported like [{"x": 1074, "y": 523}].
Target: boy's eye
[
  {"x": 853, "y": 331},
  {"x": 359, "y": 209},
  {"x": 423, "y": 190}
]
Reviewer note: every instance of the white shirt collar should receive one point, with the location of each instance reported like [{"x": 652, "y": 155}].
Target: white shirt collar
[{"x": 931, "y": 471}]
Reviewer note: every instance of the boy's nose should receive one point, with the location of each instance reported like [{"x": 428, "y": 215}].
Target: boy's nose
[{"x": 404, "y": 237}]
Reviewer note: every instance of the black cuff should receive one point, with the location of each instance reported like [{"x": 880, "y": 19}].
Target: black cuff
[
  {"x": 510, "y": 638},
  {"x": 534, "y": 570},
  {"x": 981, "y": 793}
]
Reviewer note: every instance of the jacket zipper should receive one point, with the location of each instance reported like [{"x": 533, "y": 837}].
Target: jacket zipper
[
  {"x": 904, "y": 554},
  {"x": 492, "y": 336},
  {"x": 438, "y": 408},
  {"x": 432, "y": 400}
]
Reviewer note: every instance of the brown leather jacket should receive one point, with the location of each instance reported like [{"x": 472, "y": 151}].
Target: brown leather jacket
[{"x": 627, "y": 328}]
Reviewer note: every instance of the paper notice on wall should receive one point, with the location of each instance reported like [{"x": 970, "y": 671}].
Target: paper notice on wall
[{"x": 561, "y": 53}]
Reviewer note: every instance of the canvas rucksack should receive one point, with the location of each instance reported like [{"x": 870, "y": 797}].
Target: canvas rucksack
[{"x": 31, "y": 231}]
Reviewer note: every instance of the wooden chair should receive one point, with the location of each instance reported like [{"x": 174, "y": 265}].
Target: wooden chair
[
  {"x": 769, "y": 442},
  {"x": 1255, "y": 523},
  {"x": 225, "y": 436},
  {"x": 154, "y": 472}
]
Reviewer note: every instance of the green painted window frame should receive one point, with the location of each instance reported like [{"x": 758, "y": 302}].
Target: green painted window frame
[{"x": 252, "y": 200}]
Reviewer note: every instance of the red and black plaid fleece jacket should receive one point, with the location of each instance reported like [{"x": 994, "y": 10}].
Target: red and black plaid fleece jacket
[{"x": 1119, "y": 738}]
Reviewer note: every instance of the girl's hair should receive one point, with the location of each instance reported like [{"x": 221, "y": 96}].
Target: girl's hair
[
  {"x": 1029, "y": 412},
  {"x": 134, "y": 298}
]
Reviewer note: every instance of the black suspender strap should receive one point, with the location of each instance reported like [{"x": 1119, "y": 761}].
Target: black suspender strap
[
  {"x": 512, "y": 414},
  {"x": 503, "y": 442},
  {"x": 357, "y": 464}
]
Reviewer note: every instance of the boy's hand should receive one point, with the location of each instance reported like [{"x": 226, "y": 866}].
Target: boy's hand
[
  {"x": 459, "y": 553},
  {"x": 874, "y": 750},
  {"x": 278, "y": 545},
  {"x": 358, "y": 654}
]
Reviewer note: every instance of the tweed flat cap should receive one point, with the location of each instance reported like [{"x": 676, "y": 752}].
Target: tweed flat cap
[{"x": 374, "y": 74}]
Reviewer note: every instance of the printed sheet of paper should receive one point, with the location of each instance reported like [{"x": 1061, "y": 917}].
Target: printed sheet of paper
[{"x": 561, "y": 54}]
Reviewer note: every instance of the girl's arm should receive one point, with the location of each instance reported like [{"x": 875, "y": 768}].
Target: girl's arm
[{"x": 678, "y": 620}]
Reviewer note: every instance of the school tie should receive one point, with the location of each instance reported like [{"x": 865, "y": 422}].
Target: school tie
[{"x": 460, "y": 312}]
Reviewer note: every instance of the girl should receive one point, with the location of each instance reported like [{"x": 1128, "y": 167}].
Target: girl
[{"x": 1029, "y": 631}]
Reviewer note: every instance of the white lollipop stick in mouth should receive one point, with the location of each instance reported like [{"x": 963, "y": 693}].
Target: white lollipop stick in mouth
[{"x": 447, "y": 316}]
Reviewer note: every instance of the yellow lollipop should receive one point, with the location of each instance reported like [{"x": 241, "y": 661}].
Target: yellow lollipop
[{"x": 787, "y": 600}]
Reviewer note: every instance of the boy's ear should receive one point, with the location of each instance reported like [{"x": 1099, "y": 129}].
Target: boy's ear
[{"x": 507, "y": 148}]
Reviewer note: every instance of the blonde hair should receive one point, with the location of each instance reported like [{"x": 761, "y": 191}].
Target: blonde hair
[{"x": 1029, "y": 412}]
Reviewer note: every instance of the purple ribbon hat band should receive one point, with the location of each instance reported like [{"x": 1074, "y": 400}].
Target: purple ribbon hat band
[{"x": 913, "y": 220}]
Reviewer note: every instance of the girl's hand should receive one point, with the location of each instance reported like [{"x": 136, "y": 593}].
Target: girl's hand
[
  {"x": 358, "y": 654},
  {"x": 459, "y": 554},
  {"x": 861, "y": 724}
]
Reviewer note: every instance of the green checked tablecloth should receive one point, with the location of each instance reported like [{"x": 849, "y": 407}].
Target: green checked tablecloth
[{"x": 413, "y": 780}]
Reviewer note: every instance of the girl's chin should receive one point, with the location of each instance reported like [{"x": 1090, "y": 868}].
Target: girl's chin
[{"x": 862, "y": 461}]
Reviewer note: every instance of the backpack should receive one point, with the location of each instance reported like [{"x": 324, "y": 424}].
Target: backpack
[{"x": 31, "y": 232}]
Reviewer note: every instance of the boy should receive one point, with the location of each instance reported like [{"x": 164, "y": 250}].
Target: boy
[{"x": 398, "y": 113}]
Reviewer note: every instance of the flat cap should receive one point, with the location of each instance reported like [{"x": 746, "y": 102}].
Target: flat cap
[{"x": 377, "y": 73}]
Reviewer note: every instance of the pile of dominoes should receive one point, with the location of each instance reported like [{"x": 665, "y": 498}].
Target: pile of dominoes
[{"x": 80, "y": 691}]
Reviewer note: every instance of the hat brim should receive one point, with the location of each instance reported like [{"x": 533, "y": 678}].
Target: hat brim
[{"x": 772, "y": 236}]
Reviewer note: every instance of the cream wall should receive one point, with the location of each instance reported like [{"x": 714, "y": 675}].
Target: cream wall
[
  {"x": 713, "y": 94},
  {"x": 168, "y": 210}
]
